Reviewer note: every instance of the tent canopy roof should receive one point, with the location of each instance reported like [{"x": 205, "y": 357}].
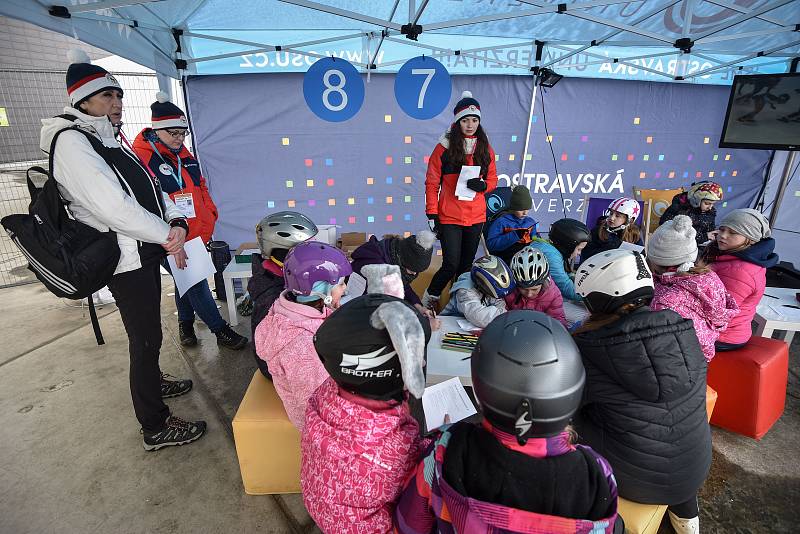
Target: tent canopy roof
[{"x": 704, "y": 39}]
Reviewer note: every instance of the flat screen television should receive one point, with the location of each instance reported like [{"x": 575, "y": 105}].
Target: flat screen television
[{"x": 763, "y": 112}]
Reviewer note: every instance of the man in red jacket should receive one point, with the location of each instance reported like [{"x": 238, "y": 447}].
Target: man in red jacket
[{"x": 161, "y": 149}]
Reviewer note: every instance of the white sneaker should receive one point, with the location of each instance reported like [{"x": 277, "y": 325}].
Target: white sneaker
[{"x": 684, "y": 526}]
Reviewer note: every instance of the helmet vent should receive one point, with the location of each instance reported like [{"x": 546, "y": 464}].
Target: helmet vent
[{"x": 284, "y": 234}]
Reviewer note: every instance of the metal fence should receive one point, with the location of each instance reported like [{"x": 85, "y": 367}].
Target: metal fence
[{"x": 29, "y": 96}]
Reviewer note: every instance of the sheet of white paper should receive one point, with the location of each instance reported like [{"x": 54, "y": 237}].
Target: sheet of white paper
[
  {"x": 198, "y": 266},
  {"x": 468, "y": 172},
  {"x": 446, "y": 398},
  {"x": 786, "y": 313},
  {"x": 631, "y": 246},
  {"x": 356, "y": 285},
  {"x": 465, "y": 325}
]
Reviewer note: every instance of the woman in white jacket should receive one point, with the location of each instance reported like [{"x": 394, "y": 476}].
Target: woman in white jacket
[{"x": 107, "y": 188}]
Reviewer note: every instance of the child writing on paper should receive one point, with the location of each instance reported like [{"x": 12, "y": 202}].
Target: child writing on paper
[
  {"x": 513, "y": 230},
  {"x": 698, "y": 204},
  {"x": 618, "y": 227},
  {"x": 478, "y": 294},
  {"x": 565, "y": 242},
  {"x": 315, "y": 274},
  {"x": 534, "y": 289},
  {"x": 360, "y": 441},
  {"x": 519, "y": 470}
]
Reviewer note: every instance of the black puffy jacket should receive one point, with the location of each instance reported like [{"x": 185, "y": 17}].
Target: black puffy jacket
[
  {"x": 264, "y": 288},
  {"x": 645, "y": 405}
]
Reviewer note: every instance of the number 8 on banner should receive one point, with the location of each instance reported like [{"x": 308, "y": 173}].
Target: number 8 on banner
[
  {"x": 422, "y": 87},
  {"x": 333, "y": 89}
]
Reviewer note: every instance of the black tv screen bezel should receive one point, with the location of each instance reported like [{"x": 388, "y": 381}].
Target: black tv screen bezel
[{"x": 760, "y": 146}]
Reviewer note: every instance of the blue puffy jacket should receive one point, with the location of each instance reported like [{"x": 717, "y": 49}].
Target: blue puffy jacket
[{"x": 498, "y": 240}]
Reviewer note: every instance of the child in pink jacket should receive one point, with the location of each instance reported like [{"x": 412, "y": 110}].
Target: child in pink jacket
[
  {"x": 360, "y": 441},
  {"x": 534, "y": 289},
  {"x": 741, "y": 256},
  {"x": 314, "y": 274},
  {"x": 692, "y": 290}
]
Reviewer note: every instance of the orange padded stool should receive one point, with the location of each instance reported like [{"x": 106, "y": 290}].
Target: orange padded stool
[
  {"x": 711, "y": 401},
  {"x": 751, "y": 384}
]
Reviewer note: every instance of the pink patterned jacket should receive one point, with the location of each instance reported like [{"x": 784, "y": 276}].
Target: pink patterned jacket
[
  {"x": 701, "y": 298},
  {"x": 357, "y": 454},
  {"x": 285, "y": 340}
]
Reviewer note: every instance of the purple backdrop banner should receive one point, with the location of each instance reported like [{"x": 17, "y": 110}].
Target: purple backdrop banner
[{"x": 263, "y": 150}]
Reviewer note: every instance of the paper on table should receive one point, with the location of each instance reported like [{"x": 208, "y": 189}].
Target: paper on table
[
  {"x": 356, "y": 285},
  {"x": 198, "y": 266},
  {"x": 785, "y": 312},
  {"x": 631, "y": 246},
  {"x": 446, "y": 398},
  {"x": 468, "y": 172},
  {"x": 463, "y": 324}
]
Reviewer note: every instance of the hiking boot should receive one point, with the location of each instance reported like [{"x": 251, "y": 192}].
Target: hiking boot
[
  {"x": 177, "y": 432},
  {"x": 226, "y": 337},
  {"x": 186, "y": 332},
  {"x": 174, "y": 387}
]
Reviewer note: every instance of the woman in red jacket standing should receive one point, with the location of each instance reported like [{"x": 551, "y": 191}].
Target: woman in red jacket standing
[
  {"x": 161, "y": 149},
  {"x": 458, "y": 223}
]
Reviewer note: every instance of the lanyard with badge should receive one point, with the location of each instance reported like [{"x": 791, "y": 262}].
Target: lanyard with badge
[{"x": 183, "y": 201}]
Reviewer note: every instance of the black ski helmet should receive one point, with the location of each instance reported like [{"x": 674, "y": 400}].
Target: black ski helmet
[
  {"x": 527, "y": 374},
  {"x": 566, "y": 234},
  {"x": 359, "y": 357}
]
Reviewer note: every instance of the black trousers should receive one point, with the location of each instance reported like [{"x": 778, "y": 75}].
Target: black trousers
[
  {"x": 459, "y": 244},
  {"x": 686, "y": 510},
  {"x": 138, "y": 296}
]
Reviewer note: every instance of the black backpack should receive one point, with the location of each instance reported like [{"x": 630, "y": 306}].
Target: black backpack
[{"x": 72, "y": 259}]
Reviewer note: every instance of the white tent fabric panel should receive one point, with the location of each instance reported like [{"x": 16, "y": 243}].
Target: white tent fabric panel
[{"x": 698, "y": 40}]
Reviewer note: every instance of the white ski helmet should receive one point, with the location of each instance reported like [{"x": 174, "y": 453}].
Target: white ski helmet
[
  {"x": 610, "y": 279},
  {"x": 626, "y": 206},
  {"x": 530, "y": 267}
]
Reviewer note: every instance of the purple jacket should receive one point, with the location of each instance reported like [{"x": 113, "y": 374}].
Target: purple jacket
[
  {"x": 701, "y": 298},
  {"x": 378, "y": 252}
]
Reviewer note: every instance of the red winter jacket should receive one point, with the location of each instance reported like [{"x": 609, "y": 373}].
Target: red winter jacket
[
  {"x": 440, "y": 189},
  {"x": 164, "y": 166}
]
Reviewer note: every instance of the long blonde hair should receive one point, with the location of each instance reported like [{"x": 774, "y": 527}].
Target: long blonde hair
[
  {"x": 599, "y": 320},
  {"x": 700, "y": 267},
  {"x": 631, "y": 234}
]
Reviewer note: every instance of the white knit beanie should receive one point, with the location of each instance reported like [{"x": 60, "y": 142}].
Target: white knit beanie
[{"x": 673, "y": 243}]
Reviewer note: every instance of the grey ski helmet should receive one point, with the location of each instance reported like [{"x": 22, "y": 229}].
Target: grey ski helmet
[
  {"x": 283, "y": 230},
  {"x": 527, "y": 374}
]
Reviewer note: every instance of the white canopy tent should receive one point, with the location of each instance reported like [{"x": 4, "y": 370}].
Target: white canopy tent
[{"x": 679, "y": 41}]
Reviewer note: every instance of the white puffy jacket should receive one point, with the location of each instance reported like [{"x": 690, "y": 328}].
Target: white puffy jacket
[{"x": 93, "y": 191}]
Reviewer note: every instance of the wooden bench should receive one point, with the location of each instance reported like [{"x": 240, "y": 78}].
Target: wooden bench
[{"x": 267, "y": 443}]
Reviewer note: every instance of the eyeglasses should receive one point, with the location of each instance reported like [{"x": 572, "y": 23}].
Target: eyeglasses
[{"x": 178, "y": 134}]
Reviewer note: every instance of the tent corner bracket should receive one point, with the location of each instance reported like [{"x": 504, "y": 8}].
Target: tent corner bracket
[
  {"x": 61, "y": 12},
  {"x": 684, "y": 44},
  {"x": 411, "y": 31}
]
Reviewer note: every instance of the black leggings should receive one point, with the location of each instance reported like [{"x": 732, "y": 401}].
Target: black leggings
[
  {"x": 686, "y": 510},
  {"x": 459, "y": 244},
  {"x": 138, "y": 296},
  {"x": 720, "y": 346}
]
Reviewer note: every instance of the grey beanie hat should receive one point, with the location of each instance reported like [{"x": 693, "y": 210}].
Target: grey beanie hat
[
  {"x": 748, "y": 222},
  {"x": 673, "y": 243}
]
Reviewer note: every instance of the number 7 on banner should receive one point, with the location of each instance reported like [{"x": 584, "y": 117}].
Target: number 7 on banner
[
  {"x": 429, "y": 99},
  {"x": 429, "y": 73}
]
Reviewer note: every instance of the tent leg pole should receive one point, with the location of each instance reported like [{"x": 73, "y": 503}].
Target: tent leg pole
[
  {"x": 528, "y": 132},
  {"x": 787, "y": 170}
]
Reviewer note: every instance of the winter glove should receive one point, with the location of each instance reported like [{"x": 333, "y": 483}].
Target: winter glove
[
  {"x": 433, "y": 223},
  {"x": 476, "y": 184}
]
